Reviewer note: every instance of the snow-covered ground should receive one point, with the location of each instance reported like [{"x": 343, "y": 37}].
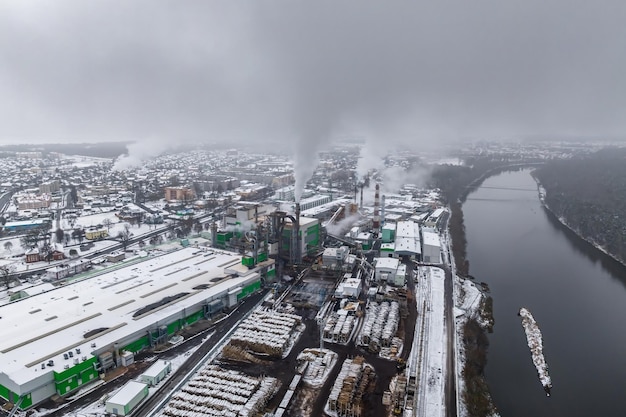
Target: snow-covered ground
[
  {"x": 427, "y": 361},
  {"x": 535, "y": 343},
  {"x": 433, "y": 369}
]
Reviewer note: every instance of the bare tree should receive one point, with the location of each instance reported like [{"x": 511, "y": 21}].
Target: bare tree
[
  {"x": 8, "y": 245},
  {"x": 124, "y": 235},
  {"x": 5, "y": 275},
  {"x": 107, "y": 223},
  {"x": 46, "y": 252},
  {"x": 59, "y": 234}
]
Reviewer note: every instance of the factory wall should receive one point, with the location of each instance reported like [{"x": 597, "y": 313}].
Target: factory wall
[{"x": 76, "y": 376}]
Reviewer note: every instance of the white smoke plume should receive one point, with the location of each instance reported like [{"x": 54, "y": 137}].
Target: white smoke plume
[
  {"x": 371, "y": 157},
  {"x": 343, "y": 225},
  {"x": 306, "y": 159},
  {"x": 141, "y": 151},
  {"x": 393, "y": 178}
]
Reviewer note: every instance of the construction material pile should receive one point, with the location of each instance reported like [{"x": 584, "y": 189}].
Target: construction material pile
[
  {"x": 266, "y": 332},
  {"x": 381, "y": 325},
  {"x": 535, "y": 343},
  {"x": 338, "y": 327},
  {"x": 319, "y": 364},
  {"x": 217, "y": 392},
  {"x": 346, "y": 396}
]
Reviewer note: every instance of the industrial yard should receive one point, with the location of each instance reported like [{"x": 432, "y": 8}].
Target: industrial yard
[{"x": 275, "y": 308}]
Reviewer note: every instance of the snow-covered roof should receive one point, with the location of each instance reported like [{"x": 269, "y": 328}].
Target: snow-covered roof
[
  {"x": 44, "y": 326},
  {"x": 431, "y": 239},
  {"x": 407, "y": 229},
  {"x": 127, "y": 393},
  {"x": 387, "y": 263},
  {"x": 156, "y": 368}
]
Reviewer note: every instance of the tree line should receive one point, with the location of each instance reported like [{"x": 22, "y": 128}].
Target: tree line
[{"x": 589, "y": 193}]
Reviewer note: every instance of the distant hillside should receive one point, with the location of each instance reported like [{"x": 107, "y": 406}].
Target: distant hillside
[
  {"x": 100, "y": 150},
  {"x": 590, "y": 194}
]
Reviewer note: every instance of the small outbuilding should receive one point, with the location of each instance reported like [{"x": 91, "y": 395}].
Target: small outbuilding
[
  {"x": 116, "y": 256},
  {"x": 127, "y": 398},
  {"x": 156, "y": 373}
]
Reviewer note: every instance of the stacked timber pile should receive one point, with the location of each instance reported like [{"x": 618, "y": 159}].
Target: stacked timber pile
[
  {"x": 266, "y": 332},
  {"x": 338, "y": 327},
  {"x": 380, "y": 326},
  {"x": 319, "y": 364},
  {"x": 346, "y": 396},
  {"x": 217, "y": 392}
]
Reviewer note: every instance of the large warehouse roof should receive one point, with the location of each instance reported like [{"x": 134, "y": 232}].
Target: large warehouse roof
[{"x": 46, "y": 325}]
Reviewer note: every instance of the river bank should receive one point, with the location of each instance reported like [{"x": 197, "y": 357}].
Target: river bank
[{"x": 542, "y": 198}]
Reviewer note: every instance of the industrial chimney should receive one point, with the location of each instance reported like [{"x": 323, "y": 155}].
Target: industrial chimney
[
  {"x": 295, "y": 241},
  {"x": 376, "y": 220},
  {"x": 214, "y": 234}
]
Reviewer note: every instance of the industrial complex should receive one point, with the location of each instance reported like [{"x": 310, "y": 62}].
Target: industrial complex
[
  {"x": 57, "y": 341},
  {"x": 330, "y": 285}
]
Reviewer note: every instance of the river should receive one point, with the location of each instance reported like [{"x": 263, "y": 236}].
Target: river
[{"x": 577, "y": 296}]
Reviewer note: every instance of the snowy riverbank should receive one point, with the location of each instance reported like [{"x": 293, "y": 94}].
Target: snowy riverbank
[
  {"x": 535, "y": 343},
  {"x": 563, "y": 221}
]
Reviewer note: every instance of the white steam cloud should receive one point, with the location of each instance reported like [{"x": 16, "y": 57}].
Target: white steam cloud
[
  {"x": 343, "y": 225},
  {"x": 141, "y": 151}
]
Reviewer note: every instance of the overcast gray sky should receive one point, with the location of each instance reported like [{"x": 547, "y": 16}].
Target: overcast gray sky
[{"x": 303, "y": 71}]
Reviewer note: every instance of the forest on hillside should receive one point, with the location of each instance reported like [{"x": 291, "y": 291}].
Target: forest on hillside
[{"x": 589, "y": 193}]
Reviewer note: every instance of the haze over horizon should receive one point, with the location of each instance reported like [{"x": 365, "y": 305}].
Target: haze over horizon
[{"x": 160, "y": 72}]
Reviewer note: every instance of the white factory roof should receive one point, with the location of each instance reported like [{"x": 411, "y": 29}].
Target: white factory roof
[
  {"x": 127, "y": 393},
  {"x": 44, "y": 326},
  {"x": 437, "y": 213},
  {"x": 390, "y": 263},
  {"x": 407, "y": 237},
  {"x": 431, "y": 239},
  {"x": 405, "y": 244},
  {"x": 408, "y": 230},
  {"x": 156, "y": 368}
]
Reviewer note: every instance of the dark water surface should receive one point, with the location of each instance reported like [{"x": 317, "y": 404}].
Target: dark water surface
[{"x": 577, "y": 297}]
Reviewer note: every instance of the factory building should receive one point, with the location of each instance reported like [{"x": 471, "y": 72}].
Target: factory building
[
  {"x": 407, "y": 240},
  {"x": 401, "y": 239},
  {"x": 57, "y": 341},
  {"x": 431, "y": 247},
  {"x": 156, "y": 373},
  {"x": 434, "y": 220},
  {"x": 335, "y": 257},
  {"x": 314, "y": 201},
  {"x": 127, "y": 398},
  {"x": 386, "y": 269},
  {"x": 309, "y": 235}
]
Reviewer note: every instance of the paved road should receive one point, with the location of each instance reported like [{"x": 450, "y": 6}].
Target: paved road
[{"x": 451, "y": 401}]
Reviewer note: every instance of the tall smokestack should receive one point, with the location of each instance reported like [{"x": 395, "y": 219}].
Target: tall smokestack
[
  {"x": 361, "y": 205},
  {"x": 376, "y": 220},
  {"x": 297, "y": 251},
  {"x": 214, "y": 234},
  {"x": 382, "y": 211}
]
